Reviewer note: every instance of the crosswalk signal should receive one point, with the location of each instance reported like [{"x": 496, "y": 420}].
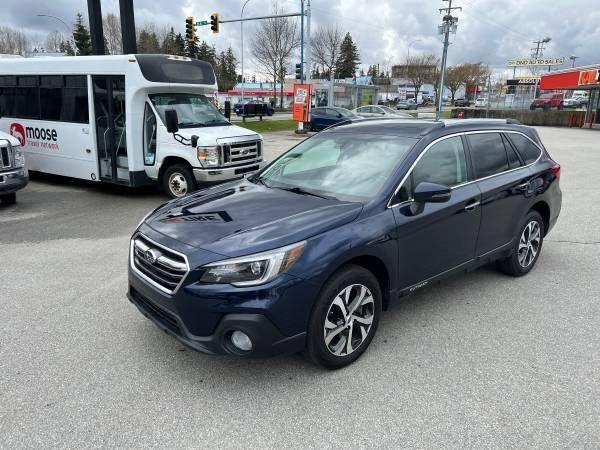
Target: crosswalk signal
[
  {"x": 190, "y": 29},
  {"x": 298, "y": 71},
  {"x": 214, "y": 22}
]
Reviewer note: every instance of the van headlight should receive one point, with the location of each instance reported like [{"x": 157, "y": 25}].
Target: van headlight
[
  {"x": 208, "y": 156},
  {"x": 254, "y": 269},
  {"x": 18, "y": 157}
]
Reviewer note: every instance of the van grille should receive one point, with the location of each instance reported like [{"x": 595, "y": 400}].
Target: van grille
[
  {"x": 164, "y": 268},
  {"x": 5, "y": 157},
  {"x": 242, "y": 153}
]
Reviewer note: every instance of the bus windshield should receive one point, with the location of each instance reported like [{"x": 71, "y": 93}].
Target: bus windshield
[{"x": 193, "y": 110}]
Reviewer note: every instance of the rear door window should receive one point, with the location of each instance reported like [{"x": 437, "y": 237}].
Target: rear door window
[
  {"x": 528, "y": 150},
  {"x": 488, "y": 154}
]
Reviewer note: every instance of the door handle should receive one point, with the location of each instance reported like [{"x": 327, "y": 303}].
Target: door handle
[{"x": 472, "y": 205}]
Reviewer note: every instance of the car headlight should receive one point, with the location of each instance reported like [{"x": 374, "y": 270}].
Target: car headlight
[
  {"x": 254, "y": 269},
  {"x": 18, "y": 157},
  {"x": 208, "y": 156}
]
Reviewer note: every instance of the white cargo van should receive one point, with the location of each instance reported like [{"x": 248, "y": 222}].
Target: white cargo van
[{"x": 103, "y": 118}]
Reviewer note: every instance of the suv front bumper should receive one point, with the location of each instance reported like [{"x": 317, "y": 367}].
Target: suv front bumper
[
  {"x": 226, "y": 173},
  {"x": 13, "y": 180}
]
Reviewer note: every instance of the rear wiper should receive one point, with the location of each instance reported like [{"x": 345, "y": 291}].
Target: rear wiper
[{"x": 299, "y": 190}]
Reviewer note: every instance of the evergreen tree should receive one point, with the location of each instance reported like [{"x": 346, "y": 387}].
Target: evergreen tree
[
  {"x": 349, "y": 58},
  {"x": 206, "y": 53},
  {"x": 81, "y": 36},
  {"x": 169, "y": 45},
  {"x": 148, "y": 42},
  {"x": 66, "y": 48},
  {"x": 179, "y": 45}
]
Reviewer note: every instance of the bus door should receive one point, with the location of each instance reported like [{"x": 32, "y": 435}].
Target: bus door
[{"x": 109, "y": 107}]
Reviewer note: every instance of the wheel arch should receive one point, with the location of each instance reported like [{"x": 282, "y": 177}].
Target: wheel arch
[
  {"x": 171, "y": 161},
  {"x": 544, "y": 210}
]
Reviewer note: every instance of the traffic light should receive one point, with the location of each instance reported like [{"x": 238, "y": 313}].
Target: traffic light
[
  {"x": 190, "y": 29},
  {"x": 214, "y": 22},
  {"x": 298, "y": 71}
]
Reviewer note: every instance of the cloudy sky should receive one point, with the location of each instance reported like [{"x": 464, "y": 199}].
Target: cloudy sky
[{"x": 490, "y": 31}]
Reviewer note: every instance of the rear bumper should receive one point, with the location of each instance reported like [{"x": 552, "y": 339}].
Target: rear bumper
[
  {"x": 226, "y": 173},
  {"x": 13, "y": 180}
]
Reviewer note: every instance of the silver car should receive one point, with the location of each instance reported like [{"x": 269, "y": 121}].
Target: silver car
[{"x": 379, "y": 111}]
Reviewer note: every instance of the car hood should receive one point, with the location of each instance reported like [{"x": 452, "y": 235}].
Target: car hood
[
  {"x": 213, "y": 135},
  {"x": 241, "y": 218}
]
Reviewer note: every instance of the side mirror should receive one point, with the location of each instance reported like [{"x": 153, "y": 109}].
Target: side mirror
[
  {"x": 431, "y": 193},
  {"x": 172, "y": 121},
  {"x": 339, "y": 116},
  {"x": 194, "y": 140}
]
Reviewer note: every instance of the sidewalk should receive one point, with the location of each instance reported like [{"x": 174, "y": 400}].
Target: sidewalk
[{"x": 278, "y": 142}]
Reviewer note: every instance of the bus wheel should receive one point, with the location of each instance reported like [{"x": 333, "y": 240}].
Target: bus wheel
[{"x": 178, "y": 180}]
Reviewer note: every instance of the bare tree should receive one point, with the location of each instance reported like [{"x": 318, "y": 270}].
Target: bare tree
[
  {"x": 54, "y": 41},
  {"x": 419, "y": 70},
  {"x": 325, "y": 48},
  {"x": 454, "y": 79},
  {"x": 272, "y": 44},
  {"x": 112, "y": 34},
  {"x": 13, "y": 41}
]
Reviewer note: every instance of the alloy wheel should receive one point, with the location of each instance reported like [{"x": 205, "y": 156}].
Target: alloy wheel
[
  {"x": 178, "y": 184},
  {"x": 529, "y": 244},
  {"x": 348, "y": 320}
]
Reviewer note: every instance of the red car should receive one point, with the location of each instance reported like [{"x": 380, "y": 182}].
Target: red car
[{"x": 547, "y": 101}]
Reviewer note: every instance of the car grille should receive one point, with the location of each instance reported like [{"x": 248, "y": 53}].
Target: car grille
[
  {"x": 164, "y": 268},
  {"x": 242, "y": 153},
  {"x": 5, "y": 158},
  {"x": 156, "y": 312}
]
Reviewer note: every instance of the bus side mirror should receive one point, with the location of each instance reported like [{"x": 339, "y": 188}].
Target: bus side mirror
[
  {"x": 172, "y": 121},
  {"x": 194, "y": 140}
]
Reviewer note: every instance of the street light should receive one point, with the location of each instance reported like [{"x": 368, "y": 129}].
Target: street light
[
  {"x": 57, "y": 18},
  {"x": 573, "y": 58},
  {"x": 242, "y": 39}
]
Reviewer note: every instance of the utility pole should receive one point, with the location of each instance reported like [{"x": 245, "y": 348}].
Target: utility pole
[
  {"x": 573, "y": 58},
  {"x": 242, "y": 39},
  {"x": 448, "y": 26},
  {"x": 307, "y": 61}
]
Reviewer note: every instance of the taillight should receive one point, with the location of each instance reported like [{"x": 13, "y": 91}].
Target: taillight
[{"x": 556, "y": 170}]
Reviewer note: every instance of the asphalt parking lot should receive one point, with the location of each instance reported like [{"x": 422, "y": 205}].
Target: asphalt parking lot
[{"x": 481, "y": 360}]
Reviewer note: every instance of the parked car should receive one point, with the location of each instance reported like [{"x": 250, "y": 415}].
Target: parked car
[
  {"x": 547, "y": 101},
  {"x": 13, "y": 173},
  {"x": 578, "y": 101},
  {"x": 340, "y": 226},
  {"x": 480, "y": 102},
  {"x": 462, "y": 102},
  {"x": 324, "y": 117},
  {"x": 379, "y": 111},
  {"x": 239, "y": 107},
  {"x": 409, "y": 103}
]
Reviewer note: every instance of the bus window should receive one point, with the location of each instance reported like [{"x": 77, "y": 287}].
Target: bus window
[
  {"x": 50, "y": 97},
  {"x": 149, "y": 136}
]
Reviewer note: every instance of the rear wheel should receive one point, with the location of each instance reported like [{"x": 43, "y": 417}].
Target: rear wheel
[
  {"x": 345, "y": 318},
  {"x": 9, "y": 199},
  {"x": 527, "y": 248},
  {"x": 178, "y": 180}
]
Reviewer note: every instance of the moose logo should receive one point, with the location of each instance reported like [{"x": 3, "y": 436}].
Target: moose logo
[{"x": 17, "y": 130}]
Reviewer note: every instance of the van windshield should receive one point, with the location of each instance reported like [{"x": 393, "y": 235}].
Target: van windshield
[{"x": 193, "y": 110}]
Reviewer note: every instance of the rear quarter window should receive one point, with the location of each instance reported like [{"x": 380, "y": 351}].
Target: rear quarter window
[
  {"x": 488, "y": 154},
  {"x": 527, "y": 149}
]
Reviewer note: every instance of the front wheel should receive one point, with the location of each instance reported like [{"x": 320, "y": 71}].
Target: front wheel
[
  {"x": 527, "y": 248},
  {"x": 345, "y": 318},
  {"x": 178, "y": 180}
]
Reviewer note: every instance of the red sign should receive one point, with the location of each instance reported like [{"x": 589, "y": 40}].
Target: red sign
[
  {"x": 570, "y": 79},
  {"x": 589, "y": 77},
  {"x": 301, "y": 106}
]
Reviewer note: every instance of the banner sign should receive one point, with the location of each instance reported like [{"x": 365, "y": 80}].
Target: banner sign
[
  {"x": 402, "y": 93},
  {"x": 535, "y": 62},
  {"x": 301, "y": 106},
  {"x": 532, "y": 81},
  {"x": 589, "y": 77}
]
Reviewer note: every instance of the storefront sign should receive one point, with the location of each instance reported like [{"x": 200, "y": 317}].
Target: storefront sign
[
  {"x": 587, "y": 77},
  {"x": 301, "y": 106},
  {"x": 535, "y": 62},
  {"x": 532, "y": 81}
]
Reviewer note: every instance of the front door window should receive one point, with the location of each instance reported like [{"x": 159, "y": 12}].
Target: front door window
[{"x": 149, "y": 136}]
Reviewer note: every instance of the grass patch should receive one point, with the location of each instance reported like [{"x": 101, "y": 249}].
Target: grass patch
[{"x": 268, "y": 126}]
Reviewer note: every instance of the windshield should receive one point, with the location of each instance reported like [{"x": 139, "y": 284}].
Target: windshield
[
  {"x": 346, "y": 112},
  {"x": 345, "y": 166},
  {"x": 193, "y": 110}
]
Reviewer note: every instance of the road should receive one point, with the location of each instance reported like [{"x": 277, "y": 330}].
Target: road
[{"x": 483, "y": 360}]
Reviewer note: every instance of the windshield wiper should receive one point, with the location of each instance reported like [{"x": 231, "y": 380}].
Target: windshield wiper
[
  {"x": 260, "y": 181},
  {"x": 216, "y": 122},
  {"x": 299, "y": 190}
]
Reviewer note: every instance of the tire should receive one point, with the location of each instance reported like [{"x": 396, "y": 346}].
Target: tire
[
  {"x": 519, "y": 263},
  {"x": 331, "y": 313},
  {"x": 178, "y": 180},
  {"x": 9, "y": 199}
]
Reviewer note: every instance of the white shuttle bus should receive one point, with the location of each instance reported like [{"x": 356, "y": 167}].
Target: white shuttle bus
[{"x": 104, "y": 118}]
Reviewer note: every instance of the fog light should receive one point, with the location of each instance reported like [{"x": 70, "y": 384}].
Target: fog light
[{"x": 241, "y": 341}]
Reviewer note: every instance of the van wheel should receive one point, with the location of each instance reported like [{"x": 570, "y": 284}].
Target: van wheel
[
  {"x": 9, "y": 199},
  {"x": 178, "y": 180},
  {"x": 527, "y": 247},
  {"x": 345, "y": 318}
]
